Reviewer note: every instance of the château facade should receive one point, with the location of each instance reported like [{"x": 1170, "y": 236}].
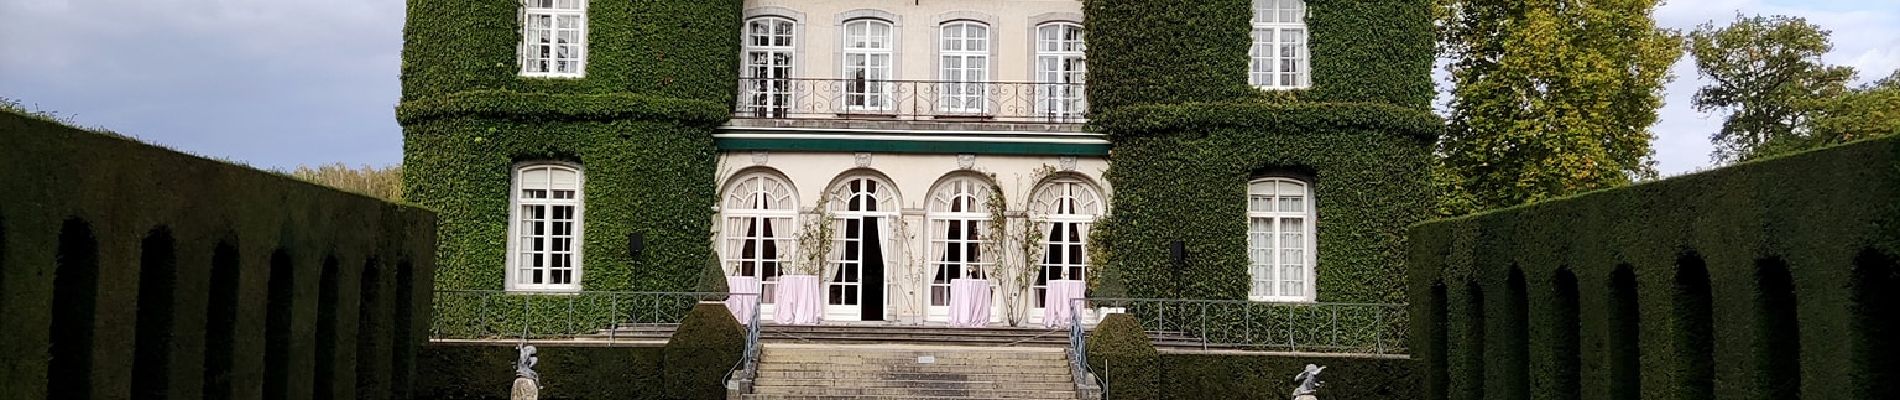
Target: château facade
[{"x": 891, "y": 147}]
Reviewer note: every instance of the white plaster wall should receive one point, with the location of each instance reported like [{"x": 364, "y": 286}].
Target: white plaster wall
[
  {"x": 1012, "y": 24},
  {"x": 812, "y": 174}
]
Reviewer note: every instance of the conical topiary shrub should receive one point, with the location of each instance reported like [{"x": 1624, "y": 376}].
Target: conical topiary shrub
[
  {"x": 1121, "y": 354},
  {"x": 706, "y": 345}
]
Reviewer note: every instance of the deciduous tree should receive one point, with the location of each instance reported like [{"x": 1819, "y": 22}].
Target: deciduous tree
[
  {"x": 1767, "y": 79},
  {"x": 1551, "y": 97}
]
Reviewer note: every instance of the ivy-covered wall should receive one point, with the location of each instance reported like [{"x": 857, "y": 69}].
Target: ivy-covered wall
[
  {"x": 658, "y": 78},
  {"x": 1168, "y": 85},
  {"x": 1167, "y": 51},
  {"x": 1770, "y": 279},
  {"x": 1181, "y": 171}
]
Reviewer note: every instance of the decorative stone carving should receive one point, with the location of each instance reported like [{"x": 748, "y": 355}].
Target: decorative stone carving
[
  {"x": 863, "y": 159},
  {"x": 966, "y": 161},
  {"x": 760, "y": 158},
  {"x": 1067, "y": 163}
]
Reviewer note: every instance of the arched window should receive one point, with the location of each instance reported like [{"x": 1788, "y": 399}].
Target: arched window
[
  {"x": 958, "y": 211},
  {"x": 1061, "y": 70},
  {"x": 769, "y": 46},
  {"x": 864, "y": 210},
  {"x": 868, "y": 44},
  {"x": 554, "y": 38},
  {"x": 965, "y": 59},
  {"x": 1279, "y": 45},
  {"x": 1065, "y": 209},
  {"x": 544, "y": 247},
  {"x": 1280, "y": 240},
  {"x": 760, "y": 212}
]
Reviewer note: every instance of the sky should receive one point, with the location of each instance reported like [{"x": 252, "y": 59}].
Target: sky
[{"x": 281, "y": 83}]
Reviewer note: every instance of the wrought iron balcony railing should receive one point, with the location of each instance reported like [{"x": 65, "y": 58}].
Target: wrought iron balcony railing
[{"x": 800, "y": 98}]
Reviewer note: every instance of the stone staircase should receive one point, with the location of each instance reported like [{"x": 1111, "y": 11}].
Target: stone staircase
[{"x": 791, "y": 371}]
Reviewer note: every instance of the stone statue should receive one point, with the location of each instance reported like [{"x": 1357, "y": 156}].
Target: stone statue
[
  {"x": 527, "y": 384},
  {"x": 524, "y": 367},
  {"x": 1309, "y": 382}
]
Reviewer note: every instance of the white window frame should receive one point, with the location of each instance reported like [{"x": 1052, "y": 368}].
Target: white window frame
[
  {"x": 769, "y": 66},
  {"x": 964, "y": 67},
  {"x": 516, "y": 229},
  {"x": 1061, "y": 92},
  {"x": 1271, "y": 260},
  {"x": 1280, "y": 38},
  {"x": 552, "y": 10},
  {"x": 738, "y": 212},
  {"x": 878, "y": 68}
]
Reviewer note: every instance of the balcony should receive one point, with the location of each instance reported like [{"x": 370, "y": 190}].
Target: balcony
[{"x": 912, "y": 101}]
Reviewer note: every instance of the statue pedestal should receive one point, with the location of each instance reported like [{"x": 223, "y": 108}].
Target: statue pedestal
[
  {"x": 1305, "y": 397},
  {"x": 525, "y": 389}
]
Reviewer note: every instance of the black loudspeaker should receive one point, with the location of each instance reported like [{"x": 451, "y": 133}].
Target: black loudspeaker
[
  {"x": 636, "y": 243},
  {"x": 1177, "y": 250}
]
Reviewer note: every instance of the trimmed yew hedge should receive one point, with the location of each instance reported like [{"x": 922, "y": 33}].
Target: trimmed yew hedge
[
  {"x": 486, "y": 372},
  {"x": 1130, "y": 368},
  {"x": 1181, "y": 172},
  {"x": 1770, "y": 279},
  {"x": 691, "y": 366},
  {"x": 131, "y": 271}
]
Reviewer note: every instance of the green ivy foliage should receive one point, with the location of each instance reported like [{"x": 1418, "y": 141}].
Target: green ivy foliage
[
  {"x": 1832, "y": 216},
  {"x": 1186, "y": 169},
  {"x": 658, "y": 78},
  {"x": 681, "y": 49},
  {"x": 1165, "y": 51}
]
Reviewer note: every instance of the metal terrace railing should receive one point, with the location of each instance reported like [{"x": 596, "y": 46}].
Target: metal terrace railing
[
  {"x": 803, "y": 98},
  {"x": 1347, "y": 328},
  {"x": 494, "y": 314}
]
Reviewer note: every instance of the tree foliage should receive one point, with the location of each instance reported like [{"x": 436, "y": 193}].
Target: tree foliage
[
  {"x": 1552, "y": 97},
  {"x": 1768, "y": 79},
  {"x": 382, "y": 183}
]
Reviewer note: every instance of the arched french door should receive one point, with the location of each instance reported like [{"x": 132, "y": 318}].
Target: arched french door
[
  {"x": 958, "y": 216},
  {"x": 865, "y": 211},
  {"x": 760, "y": 212},
  {"x": 1064, "y": 209}
]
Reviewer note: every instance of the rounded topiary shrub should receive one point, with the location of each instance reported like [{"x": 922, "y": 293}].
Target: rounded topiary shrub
[
  {"x": 706, "y": 345},
  {"x": 1121, "y": 354}
]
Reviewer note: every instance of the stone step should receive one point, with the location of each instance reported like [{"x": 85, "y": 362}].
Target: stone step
[
  {"x": 909, "y": 361},
  {"x": 1070, "y": 396},
  {"x": 923, "y": 368},
  {"x": 769, "y": 376},
  {"x": 954, "y": 382},
  {"x": 912, "y": 392},
  {"x": 772, "y": 353}
]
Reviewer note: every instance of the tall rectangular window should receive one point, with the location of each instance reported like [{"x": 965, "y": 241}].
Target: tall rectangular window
[
  {"x": 965, "y": 58},
  {"x": 545, "y": 244},
  {"x": 868, "y": 44},
  {"x": 1061, "y": 69},
  {"x": 1280, "y": 240},
  {"x": 1279, "y": 45},
  {"x": 554, "y": 38},
  {"x": 768, "y": 66}
]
